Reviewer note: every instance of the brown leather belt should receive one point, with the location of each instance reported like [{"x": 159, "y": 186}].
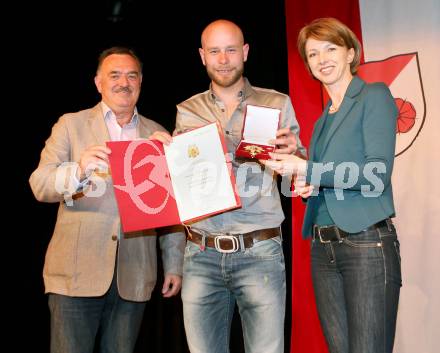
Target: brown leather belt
[
  {"x": 327, "y": 234},
  {"x": 231, "y": 242}
]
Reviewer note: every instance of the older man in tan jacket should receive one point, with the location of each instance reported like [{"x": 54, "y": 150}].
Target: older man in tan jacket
[{"x": 97, "y": 277}]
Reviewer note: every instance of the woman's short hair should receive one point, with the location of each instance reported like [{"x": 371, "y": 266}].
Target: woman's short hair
[{"x": 331, "y": 30}]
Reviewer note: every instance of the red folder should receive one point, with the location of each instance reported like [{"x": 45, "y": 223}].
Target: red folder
[{"x": 143, "y": 183}]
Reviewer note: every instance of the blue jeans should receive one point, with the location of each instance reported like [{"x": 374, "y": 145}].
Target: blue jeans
[
  {"x": 357, "y": 284},
  {"x": 213, "y": 282},
  {"x": 76, "y": 321}
]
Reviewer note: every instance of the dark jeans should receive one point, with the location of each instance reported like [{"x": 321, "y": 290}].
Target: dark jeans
[
  {"x": 76, "y": 321},
  {"x": 357, "y": 283}
]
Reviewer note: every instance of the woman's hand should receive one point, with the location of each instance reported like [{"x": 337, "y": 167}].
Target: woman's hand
[
  {"x": 301, "y": 188},
  {"x": 286, "y": 164}
]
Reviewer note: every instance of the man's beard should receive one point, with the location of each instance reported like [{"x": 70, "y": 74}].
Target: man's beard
[{"x": 223, "y": 81}]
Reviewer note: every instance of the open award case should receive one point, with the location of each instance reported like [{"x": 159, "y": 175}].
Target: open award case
[
  {"x": 260, "y": 125},
  {"x": 157, "y": 185}
]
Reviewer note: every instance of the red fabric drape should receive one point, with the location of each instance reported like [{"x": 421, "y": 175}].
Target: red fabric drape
[{"x": 307, "y": 99}]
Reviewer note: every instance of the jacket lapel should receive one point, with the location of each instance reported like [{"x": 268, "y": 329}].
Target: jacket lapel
[
  {"x": 353, "y": 90},
  {"x": 317, "y": 131},
  {"x": 97, "y": 125},
  {"x": 143, "y": 130}
]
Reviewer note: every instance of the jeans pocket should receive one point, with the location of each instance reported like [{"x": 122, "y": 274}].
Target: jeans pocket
[
  {"x": 391, "y": 248},
  {"x": 277, "y": 240},
  {"x": 366, "y": 239},
  {"x": 191, "y": 249},
  {"x": 397, "y": 249},
  {"x": 267, "y": 249}
]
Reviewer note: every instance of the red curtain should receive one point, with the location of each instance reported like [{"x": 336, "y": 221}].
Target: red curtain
[{"x": 306, "y": 96}]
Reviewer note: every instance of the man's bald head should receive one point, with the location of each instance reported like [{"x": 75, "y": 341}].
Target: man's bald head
[{"x": 224, "y": 26}]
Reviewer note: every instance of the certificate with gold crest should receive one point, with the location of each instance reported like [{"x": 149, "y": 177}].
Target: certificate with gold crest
[
  {"x": 201, "y": 173},
  {"x": 157, "y": 185}
]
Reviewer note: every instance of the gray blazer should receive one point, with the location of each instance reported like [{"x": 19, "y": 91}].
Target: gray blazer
[
  {"x": 81, "y": 256},
  {"x": 362, "y": 134}
]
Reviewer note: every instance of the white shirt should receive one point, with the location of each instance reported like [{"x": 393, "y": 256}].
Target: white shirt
[{"x": 117, "y": 132}]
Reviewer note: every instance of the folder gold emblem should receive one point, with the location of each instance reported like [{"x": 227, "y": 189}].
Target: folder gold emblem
[{"x": 193, "y": 151}]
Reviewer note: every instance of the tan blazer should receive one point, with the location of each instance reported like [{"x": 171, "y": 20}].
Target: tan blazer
[{"x": 81, "y": 255}]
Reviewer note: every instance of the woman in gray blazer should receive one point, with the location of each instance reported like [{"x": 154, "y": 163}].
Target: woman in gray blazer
[{"x": 347, "y": 185}]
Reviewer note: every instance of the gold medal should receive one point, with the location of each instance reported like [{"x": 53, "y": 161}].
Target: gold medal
[{"x": 253, "y": 150}]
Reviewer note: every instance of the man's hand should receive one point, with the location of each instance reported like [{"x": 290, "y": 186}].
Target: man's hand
[
  {"x": 161, "y": 136},
  {"x": 93, "y": 158},
  {"x": 171, "y": 285},
  {"x": 286, "y": 141}
]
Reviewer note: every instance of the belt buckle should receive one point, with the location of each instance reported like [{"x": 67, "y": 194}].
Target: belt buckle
[
  {"x": 233, "y": 239},
  {"x": 320, "y": 236}
]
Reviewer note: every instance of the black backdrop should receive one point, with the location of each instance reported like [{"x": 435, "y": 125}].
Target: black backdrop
[{"x": 54, "y": 60}]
